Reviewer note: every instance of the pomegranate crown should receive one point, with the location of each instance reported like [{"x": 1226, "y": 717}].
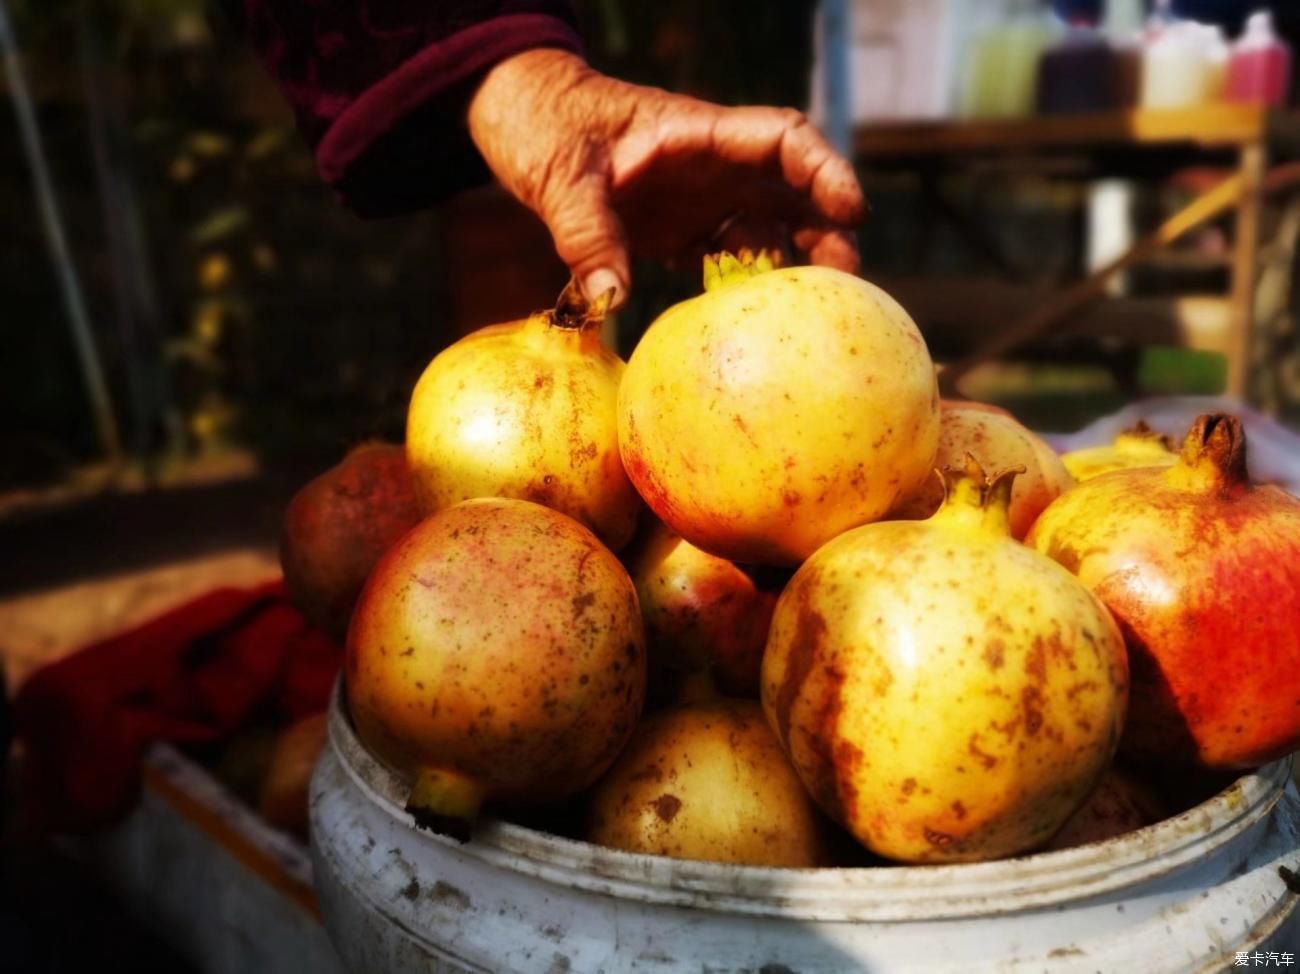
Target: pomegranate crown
[
  {"x": 1215, "y": 448},
  {"x": 1140, "y": 432},
  {"x": 574, "y": 312},
  {"x": 725, "y": 268},
  {"x": 973, "y": 496}
]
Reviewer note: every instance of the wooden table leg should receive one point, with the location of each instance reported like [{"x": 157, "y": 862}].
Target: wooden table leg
[
  {"x": 1063, "y": 304},
  {"x": 1252, "y": 166}
]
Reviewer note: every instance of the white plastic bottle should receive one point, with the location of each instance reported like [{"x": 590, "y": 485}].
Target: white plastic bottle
[
  {"x": 1123, "y": 20},
  {"x": 1217, "y": 55},
  {"x": 1183, "y": 66}
]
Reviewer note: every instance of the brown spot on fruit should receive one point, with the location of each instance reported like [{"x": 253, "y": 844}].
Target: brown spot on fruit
[
  {"x": 651, "y": 772},
  {"x": 1036, "y": 662},
  {"x": 940, "y": 840},
  {"x": 908, "y": 786},
  {"x": 580, "y": 455},
  {"x": 581, "y": 603},
  {"x": 805, "y": 646},
  {"x": 984, "y": 758},
  {"x": 958, "y": 809},
  {"x": 1074, "y": 689},
  {"x": 1006, "y": 728},
  {"x": 994, "y": 654},
  {"x": 667, "y": 806},
  {"x": 1031, "y": 702},
  {"x": 846, "y": 762}
]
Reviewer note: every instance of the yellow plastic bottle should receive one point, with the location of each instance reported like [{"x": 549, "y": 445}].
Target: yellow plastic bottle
[{"x": 1002, "y": 63}]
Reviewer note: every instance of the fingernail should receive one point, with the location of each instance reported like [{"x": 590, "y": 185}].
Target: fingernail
[{"x": 602, "y": 280}]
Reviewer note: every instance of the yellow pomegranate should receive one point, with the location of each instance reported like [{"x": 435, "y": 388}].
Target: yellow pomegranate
[
  {"x": 703, "y": 614},
  {"x": 776, "y": 410},
  {"x": 708, "y": 781},
  {"x": 526, "y": 410},
  {"x": 984, "y": 407},
  {"x": 945, "y": 692},
  {"x": 282, "y": 795},
  {"x": 1140, "y": 446},
  {"x": 998, "y": 442},
  {"x": 496, "y": 652}
]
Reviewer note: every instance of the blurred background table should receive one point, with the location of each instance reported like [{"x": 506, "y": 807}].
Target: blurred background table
[{"x": 1222, "y": 161}]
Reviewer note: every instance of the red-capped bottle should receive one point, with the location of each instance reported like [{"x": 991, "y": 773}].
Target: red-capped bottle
[{"x": 1260, "y": 69}]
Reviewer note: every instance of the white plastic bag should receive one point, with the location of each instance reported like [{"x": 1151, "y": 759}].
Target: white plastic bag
[{"x": 1272, "y": 450}]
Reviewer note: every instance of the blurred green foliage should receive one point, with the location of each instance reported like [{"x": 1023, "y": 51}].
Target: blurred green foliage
[{"x": 286, "y": 324}]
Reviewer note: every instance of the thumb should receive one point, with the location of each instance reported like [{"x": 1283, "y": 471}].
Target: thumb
[{"x": 589, "y": 237}]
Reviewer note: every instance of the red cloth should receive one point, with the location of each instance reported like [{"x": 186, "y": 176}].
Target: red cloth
[{"x": 195, "y": 674}]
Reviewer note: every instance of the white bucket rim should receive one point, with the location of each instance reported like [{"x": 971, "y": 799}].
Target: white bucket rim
[{"x": 1040, "y": 880}]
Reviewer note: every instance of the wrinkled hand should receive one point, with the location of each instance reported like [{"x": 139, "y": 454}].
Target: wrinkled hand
[{"x": 613, "y": 167}]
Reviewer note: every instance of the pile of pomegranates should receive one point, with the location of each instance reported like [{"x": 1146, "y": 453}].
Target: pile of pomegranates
[{"x": 853, "y": 617}]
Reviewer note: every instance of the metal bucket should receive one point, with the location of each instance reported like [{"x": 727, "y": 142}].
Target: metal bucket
[{"x": 1186, "y": 894}]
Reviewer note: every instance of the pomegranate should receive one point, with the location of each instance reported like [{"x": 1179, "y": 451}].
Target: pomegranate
[
  {"x": 708, "y": 781},
  {"x": 338, "y": 525},
  {"x": 998, "y": 442},
  {"x": 701, "y": 612},
  {"x": 985, "y": 407},
  {"x": 1119, "y": 804},
  {"x": 1140, "y": 446},
  {"x": 943, "y": 691},
  {"x": 526, "y": 410},
  {"x": 776, "y": 410},
  {"x": 496, "y": 652},
  {"x": 1202, "y": 570},
  {"x": 282, "y": 797}
]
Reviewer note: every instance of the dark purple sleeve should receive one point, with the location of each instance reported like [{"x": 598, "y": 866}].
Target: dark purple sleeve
[{"x": 380, "y": 87}]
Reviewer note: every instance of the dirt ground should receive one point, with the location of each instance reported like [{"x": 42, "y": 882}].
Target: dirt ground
[{"x": 75, "y": 569}]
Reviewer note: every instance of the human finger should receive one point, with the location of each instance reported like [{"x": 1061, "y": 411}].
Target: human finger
[
  {"x": 589, "y": 236},
  {"x": 784, "y": 139}
]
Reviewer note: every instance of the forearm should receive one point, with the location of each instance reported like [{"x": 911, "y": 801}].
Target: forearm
[{"x": 380, "y": 87}]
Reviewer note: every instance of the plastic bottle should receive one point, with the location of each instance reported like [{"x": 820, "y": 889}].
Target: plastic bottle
[
  {"x": 1259, "y": 70},
  {"x": 1217, "y": 54},
  {"x": 1003, "y": 60},
  {"x": 1078, "y": 74},
  {"x": 1162, "y": 17},
  {"x": 1123, "y": 28},
  {"x": 1184, "y": 66},
  {"x": 1123, "y": 19}
]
